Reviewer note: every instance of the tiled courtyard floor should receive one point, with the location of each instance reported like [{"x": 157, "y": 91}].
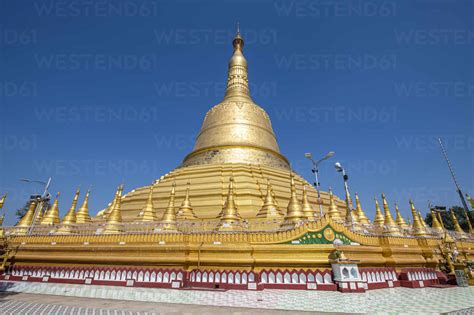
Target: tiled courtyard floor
[{"x": 82, "y": 299}]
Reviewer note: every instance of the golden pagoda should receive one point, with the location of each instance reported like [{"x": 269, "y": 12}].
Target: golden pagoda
[
  {"x": 230, "y": 219},
  {"x": 113, "y": 224},
  {"x": 82, "y": 215},
  {"x": 379, "y": 218},
  {"x": 399, "y": 219},
  {"x": 307, "y": 208},
  {"x": 435, "y": 223},
  {"x": 70, "y": 217},
  {"x": 270, "y": 208},
  {"x": 148, "y": 213},
  {"x": 186, "y": 211},
  {"x": 363, "y": 219},
  {"x": 52, "y": 215},
  {"x": 242, "y": 238},
  {"x": 391, "y": 226},
  {"x": 27, "y": 219},
  {"x": 457, "y": 227},
  {"x": 418, "y": 228}
]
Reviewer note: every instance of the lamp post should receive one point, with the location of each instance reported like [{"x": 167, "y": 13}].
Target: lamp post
[
  {"x": 40, "y": 204},
  {"x": 341, "y": 169},
  {"x": 315, "y": 171}
]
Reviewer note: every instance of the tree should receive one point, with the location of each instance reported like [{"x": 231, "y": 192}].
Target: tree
[{"x": 448, "y": 221}]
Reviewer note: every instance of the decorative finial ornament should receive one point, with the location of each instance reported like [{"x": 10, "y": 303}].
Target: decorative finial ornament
[
  {"x": 418, "y": 228},
  {"x": 307, "y": 208},
  {"x": 168, "y": 220},
  {"x": 333, "y": 212},
  {"x": 230, "y": 219},
  {"x": 363, "y": 219},
  {"x": 294, "y": 211},
  {"x": 52, "y": 216},
  {"x": 379, "y": 218},
  {"x": 113, "y": 224},
  {"x": 82, "y": 215},
  {"x": 270, "y": 207},
  {"x": 148, "y": 213},
  {"x": 399, "y": 219},
  {"x": 237, "y": 78},
  {"x": 186, "y": 211}
]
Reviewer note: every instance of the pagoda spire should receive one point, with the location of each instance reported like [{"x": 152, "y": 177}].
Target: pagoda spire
[
  {"x": 27, "y": 219},
  {"x": 333, "y": 212},
  {"x": 52, "y": 215},
  {"x": 294, "y": 211},
  {"x": 351, "y": 218},
  {"x": 2, "y": 200},
  {"x": 435, "y": 224},
  {"x": 185, "y": 211},
  {"x": 70, "y": 217},
  {"x": 418, "y": 228},
  {"x": 168, "y": 219},
  {"x": 113, "y": 224},
  {"x": 399, "y": 219},
  {"x": 379, "y": 218},
  {"x": 457, "y": 227},
  {"x": 82, "y": 215},
  {"x": 391, "y": 226},
  {"x": 308, "y": 210},
  {"x": 148, "y": 213},
  {"x": 237, "y": 78},
  {"x": 422, "y": 220},
  {"x": 363, "y": 219},
  {"x": 230, "y": 219},
  {"x": 269, "y": 208},
  {"x": 468, "y": 219}
]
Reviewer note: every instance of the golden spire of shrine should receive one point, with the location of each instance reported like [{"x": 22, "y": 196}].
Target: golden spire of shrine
[
  {"x": 391, "y": 226},
  {"x": 230, "y": 219},
  {"x": 379, "y": 218},
  {"x": 294, "y": 211},
  {"x": 186, "y": 211},
  {"x": 168, "y": 220},
  {"x": 435, "y": 224},
  {"x": 269, "y": 208},
  {"x": 399, "y": 219},
  {"x": 148, "y": 213},
  {"x": 468, "y": 219},
  {"x": 456, "y": 225},
  {"x": 82, "y": 215},
  {"x": 237, "y": 130},
  {"x": 333, "y": 212},
  {"x": 113, "y": 224},
  {"x": 2, "y": 200},
  {"x": 308, "y": 210},
  {"x": 52, "y": 215},
  {"x": 418, "y": 227},
  {"x": 351, "y": 218},
  {"x": 363, "y": 219},
  {"x": 70, "y": 217},
  {"x": 27, "y": 219}
]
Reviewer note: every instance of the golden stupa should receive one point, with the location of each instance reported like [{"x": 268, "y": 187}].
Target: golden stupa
[
  {"x": 246, "y": 221},
  {"x": 236, "y": 140}
]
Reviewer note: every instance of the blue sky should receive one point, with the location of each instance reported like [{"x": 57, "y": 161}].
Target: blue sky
[{"x": 97, "y": 94}]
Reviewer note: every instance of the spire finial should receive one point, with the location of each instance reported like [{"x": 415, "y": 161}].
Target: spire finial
[{"x": 238, "y": 28}]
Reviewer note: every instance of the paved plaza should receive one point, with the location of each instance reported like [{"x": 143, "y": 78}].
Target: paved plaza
[{"x": 49, "y": 298}]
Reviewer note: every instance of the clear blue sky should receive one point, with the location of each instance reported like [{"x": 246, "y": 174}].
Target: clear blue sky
[{"x": 117, "y": 91}]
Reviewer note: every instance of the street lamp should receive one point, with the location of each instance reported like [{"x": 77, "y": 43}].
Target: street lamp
[
  {"x": 39, "y": 206},
  {"x": 315, "y": 171},
  {"x": 341, "y": 169}
]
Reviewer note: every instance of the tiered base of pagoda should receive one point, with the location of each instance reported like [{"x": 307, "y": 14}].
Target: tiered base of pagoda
[{"x": 372, "y": 278}]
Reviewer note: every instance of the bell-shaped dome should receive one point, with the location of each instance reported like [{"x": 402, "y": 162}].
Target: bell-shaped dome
[{"x": 237, "y": 130}]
